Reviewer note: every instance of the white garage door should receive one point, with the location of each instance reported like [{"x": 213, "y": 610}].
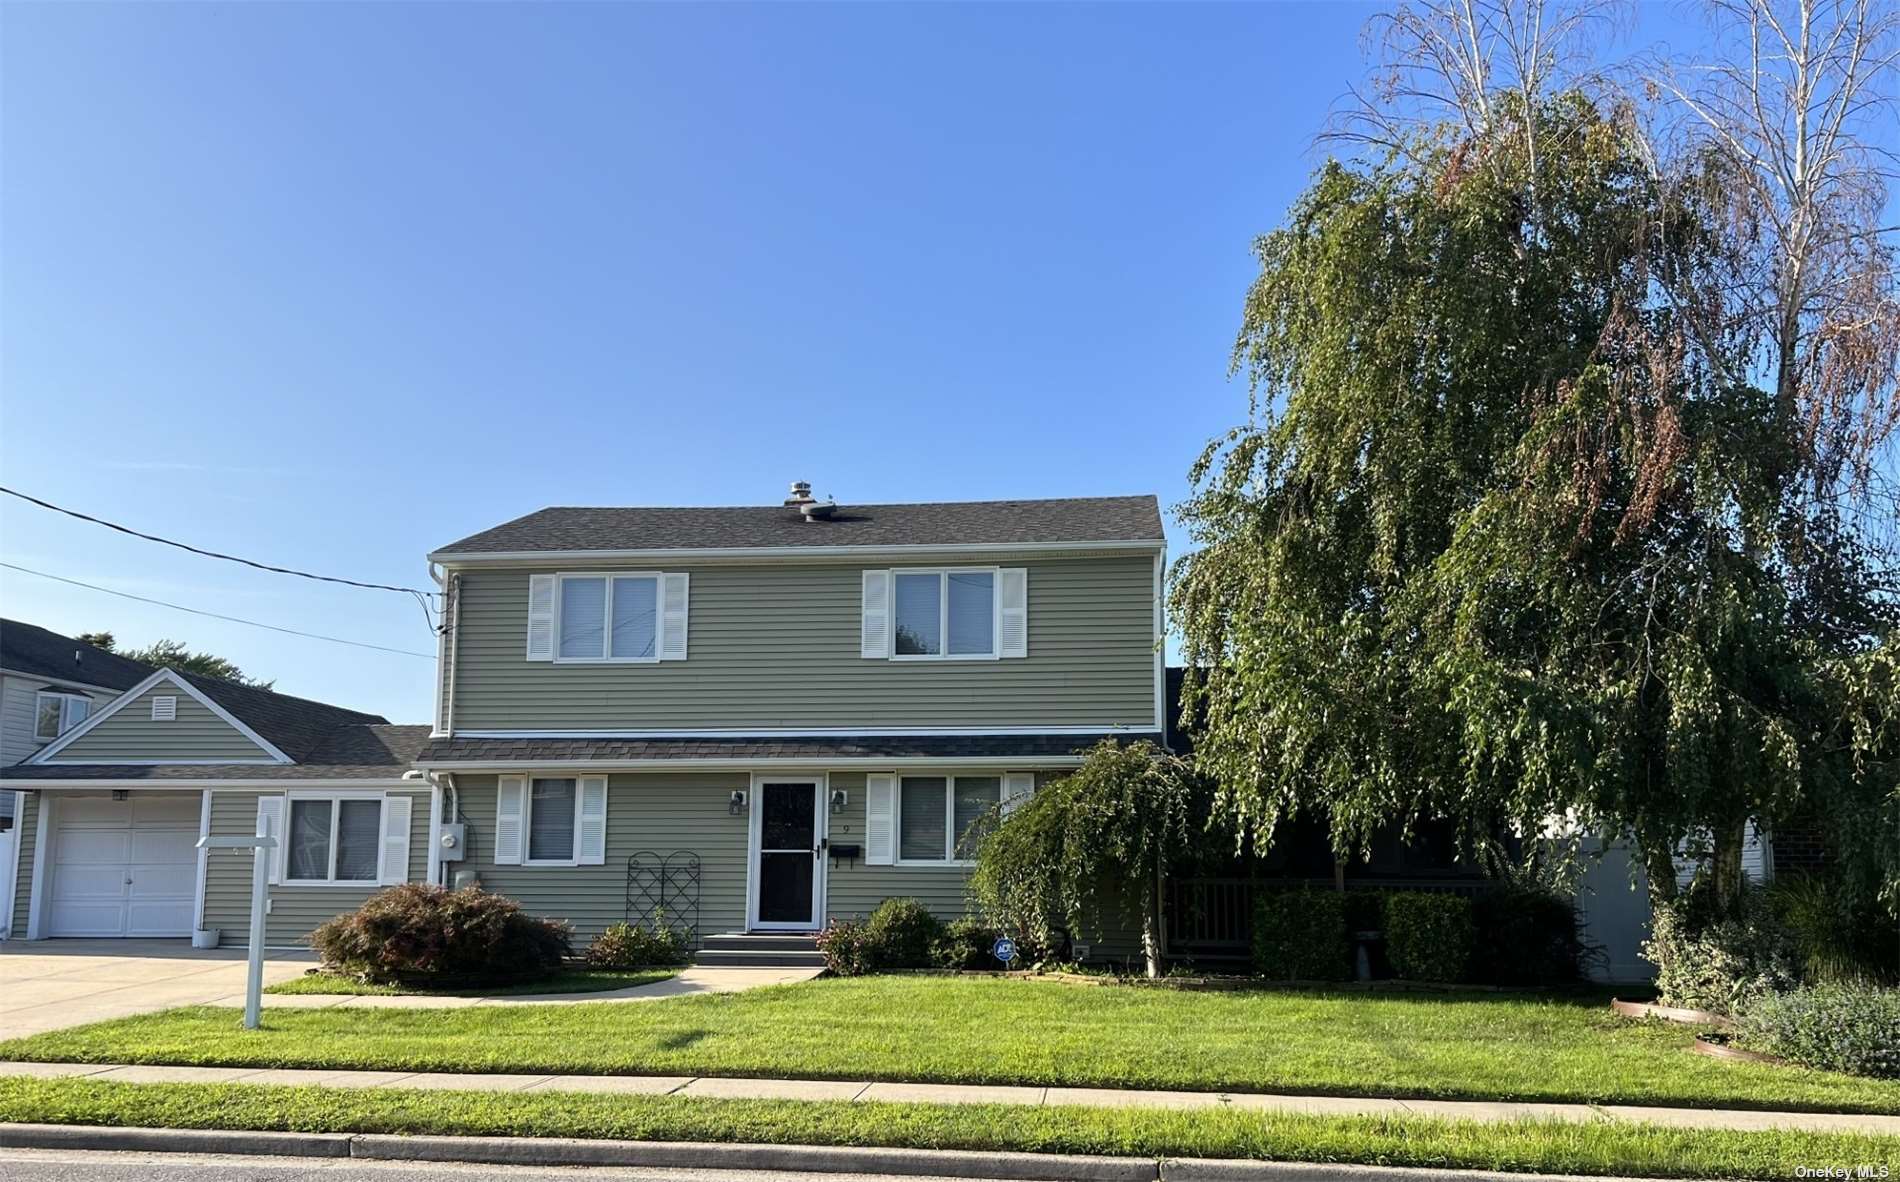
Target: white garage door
[{"x": 124, "y": 867}]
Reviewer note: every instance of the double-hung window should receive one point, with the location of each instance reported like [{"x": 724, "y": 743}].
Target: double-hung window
[
  {"x": 608, "y": 618},
  {"x": 944, "y": 614},
  {"x": 553, "y": 809},
  {"x": 334, "y": 839},
  {"x": 56, "y": 713},
  {"x": 940, "y": 818}
]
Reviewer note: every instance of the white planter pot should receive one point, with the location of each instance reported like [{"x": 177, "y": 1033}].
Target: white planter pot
[{"x": 206, "y": 937}]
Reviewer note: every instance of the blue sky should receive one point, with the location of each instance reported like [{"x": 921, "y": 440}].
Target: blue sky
[{"x": 331, "y": 285}]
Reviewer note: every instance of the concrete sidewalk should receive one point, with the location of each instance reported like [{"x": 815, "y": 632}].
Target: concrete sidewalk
[{"x": 871, "y": 1090}]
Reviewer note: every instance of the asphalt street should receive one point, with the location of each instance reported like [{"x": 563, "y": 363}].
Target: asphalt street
[{"x": 48, "y": 1165}]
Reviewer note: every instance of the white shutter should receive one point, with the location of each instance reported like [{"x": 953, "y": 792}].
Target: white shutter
[
  {"x": 880, "y": 820},
  {"x": 1013, "y": 597},
  {"x": 874, "y": 632},
  {"x": 1018, "y": 787},
  {"x": 396, "y": 811},
  {"x": 673, "y": 617},
  {"x": 590, "y": 842},
  {"x": 270, "y": 823},
  {"x": 540, "y": 617},
  {"x": 510, "y": 794}
]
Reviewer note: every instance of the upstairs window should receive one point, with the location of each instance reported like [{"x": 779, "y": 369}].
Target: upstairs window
[
  {"x": 631, "y": 618},
  {"x": 945, "y": 613},
  {"x": 56, "y": 713},
  {"x": 609, "y": 618}
]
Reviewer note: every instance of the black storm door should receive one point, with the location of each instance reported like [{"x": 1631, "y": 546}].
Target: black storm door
[{"x": 788, "y": 854}]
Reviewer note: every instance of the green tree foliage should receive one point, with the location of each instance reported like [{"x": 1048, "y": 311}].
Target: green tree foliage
[
  {"x": 1092, "y": 845},
  {"x": 174, "y": 654},
  {"x": 1504, "y": 540}
]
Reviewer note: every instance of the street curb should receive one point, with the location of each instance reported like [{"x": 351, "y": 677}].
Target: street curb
[
  {"x": 25, "y": 1136},
  {"x": 835, "y": 1159},
  {"x": 1176, "y": 1169}
]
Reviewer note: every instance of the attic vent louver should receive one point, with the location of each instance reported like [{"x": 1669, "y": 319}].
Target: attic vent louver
[{"x": 164, "y": 709}]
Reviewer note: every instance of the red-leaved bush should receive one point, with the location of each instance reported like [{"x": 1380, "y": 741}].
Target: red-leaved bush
[{"x": 419, "y": 934}]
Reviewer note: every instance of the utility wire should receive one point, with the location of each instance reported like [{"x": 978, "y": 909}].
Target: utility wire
[
  {"x": 280, "y": 570},
  {"x": 214, "y": 615}
]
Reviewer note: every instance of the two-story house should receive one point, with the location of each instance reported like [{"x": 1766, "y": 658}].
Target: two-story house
[
  {"x": 754, "y": 719},
  {"x": 745, "y": 720},
  {"x": 49, "y": 684}
]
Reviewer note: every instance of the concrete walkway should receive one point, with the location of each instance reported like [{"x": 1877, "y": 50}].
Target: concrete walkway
[{"x": 869, "y": 1090}]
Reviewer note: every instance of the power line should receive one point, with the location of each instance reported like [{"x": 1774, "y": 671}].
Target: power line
[
  {"x": 280, "y": 570},
  {"x": 214, "y": 615}
]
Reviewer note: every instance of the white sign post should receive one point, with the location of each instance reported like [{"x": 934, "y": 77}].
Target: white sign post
[{"x": 260, "y": 847}]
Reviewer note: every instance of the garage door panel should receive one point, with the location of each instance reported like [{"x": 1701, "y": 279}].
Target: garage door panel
[
  {"x": 94, "y": 810},
  {"x": 163, "y": 881},
  {"x": 92, "y": 847},
  {"x": 158, "y": 917},
  {"x": 166, "y": 810},
  {"x": 164, "y": 845},
  {"x": 77, "y": 918},
  {"x": 88, "y": 883}
]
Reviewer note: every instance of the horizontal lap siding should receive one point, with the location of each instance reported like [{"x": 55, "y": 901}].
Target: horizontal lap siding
[
  {"x": 294, "y": 910},
  {"x": 659, "y": 813},
  {"x": 776, "y": 647},
  {"x": 196, "y": 733},
  {"x": 26, "y": 829}
]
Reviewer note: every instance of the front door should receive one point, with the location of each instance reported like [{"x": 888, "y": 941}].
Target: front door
[{"x": 787, "y": 859}]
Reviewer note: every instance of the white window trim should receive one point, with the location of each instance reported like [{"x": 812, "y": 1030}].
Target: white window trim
[
  {"x": 943, "y": 574},
  {"x": 66, "y": 699},
  {"x": 607, "y": 616},
  {"x": 949, "y": 814},
  {"x": 527, "y": 822},
  {"x": 336, "y": 814}
]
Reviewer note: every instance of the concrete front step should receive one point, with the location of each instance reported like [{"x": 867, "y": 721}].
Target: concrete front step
[{"x": 760, "y": 949}]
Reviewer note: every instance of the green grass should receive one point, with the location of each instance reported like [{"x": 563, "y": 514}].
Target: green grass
[
  {"x": 577, "y": 981},
  {"x": 1600, "y": 1147},
  {"x": 1461, "y": 1046}
]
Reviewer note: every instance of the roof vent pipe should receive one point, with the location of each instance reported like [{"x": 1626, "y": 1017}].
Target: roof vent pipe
[{"x": 801, "y": 495}]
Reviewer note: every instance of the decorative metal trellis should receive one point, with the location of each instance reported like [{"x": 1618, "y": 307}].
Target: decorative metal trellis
[{"x": 663, "y": 889}]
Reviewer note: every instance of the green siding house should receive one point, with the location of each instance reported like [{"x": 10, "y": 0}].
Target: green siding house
[{"x": 745, "y": 720}]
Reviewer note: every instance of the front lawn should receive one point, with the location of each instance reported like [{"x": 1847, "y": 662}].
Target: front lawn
[
  {"x": 960, "y": 1030},
  {"x": 1599, "y": 1147},
  {"x": 577, "y": 981}
]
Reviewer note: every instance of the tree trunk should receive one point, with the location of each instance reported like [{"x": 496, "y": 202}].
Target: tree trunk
[
  {"x": 1151, "y": 927},
  {"x": 1659, "y": 867},
  {"x": 1727, "y": 865}
]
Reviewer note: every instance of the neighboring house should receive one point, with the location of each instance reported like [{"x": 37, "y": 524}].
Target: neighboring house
[
  {"x": 49, "y": 684},
  {"x": 742, "y": 720},
  {"x": 112, "y": 810}
]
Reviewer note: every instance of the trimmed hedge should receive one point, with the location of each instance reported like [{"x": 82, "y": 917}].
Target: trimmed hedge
[
  {"x": 421, "y": 934},
  {"x": 1839, "y": 1027},
  {"x": 1525, "y": 936},
  {"x": 1301, "y": 936},
  {"x": 1428, "y": 935}
]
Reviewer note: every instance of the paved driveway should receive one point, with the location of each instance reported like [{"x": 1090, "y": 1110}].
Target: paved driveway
[{"x": 46, "y": 984}]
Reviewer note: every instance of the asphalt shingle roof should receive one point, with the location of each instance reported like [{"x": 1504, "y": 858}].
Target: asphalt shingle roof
[
  {"x": 949, "y": 523},
  {"x": 39, "y": 652},
  {"x": 297, "y": 726},
  {"x": 356, "y": 751},
  {"x": 1002, "y": 747}
]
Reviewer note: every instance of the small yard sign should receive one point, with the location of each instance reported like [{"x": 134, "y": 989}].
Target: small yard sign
[{"x": 1005, "y": 950}]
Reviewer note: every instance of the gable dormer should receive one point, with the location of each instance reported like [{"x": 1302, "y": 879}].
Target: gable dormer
[{"x": 164, "y": 719}]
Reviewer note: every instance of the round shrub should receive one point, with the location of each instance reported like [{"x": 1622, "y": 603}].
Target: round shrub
[
  {"x": 1720, "y": 964},
  {"x": 1840, "y": 1027},
  {"x": 844, "y": 948},
  {"x": 900, "y": 934},
  {"x": 1301, "y": 936},
  {"x": 421, "y": 934},
  {"x": 630, "y": 946},
  {"x": 1428, "y": 935}
]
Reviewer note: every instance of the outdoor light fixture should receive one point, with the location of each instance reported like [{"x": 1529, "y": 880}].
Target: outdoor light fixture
[
  {"x": 839, "y": 798},
  {"x": 735, "y": 804}
]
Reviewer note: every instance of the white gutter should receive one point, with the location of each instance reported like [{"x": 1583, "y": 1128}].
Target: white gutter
[
  {"x": 724, "y": 763},
  {"x": 169, "y": 784}
]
